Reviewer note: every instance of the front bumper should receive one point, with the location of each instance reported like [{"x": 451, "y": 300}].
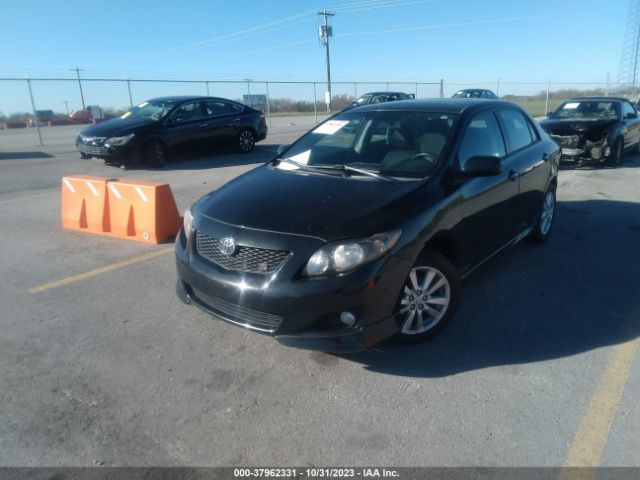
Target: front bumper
[
  {"x": 298, "y": 312},
  {"x": 337, "y": 340},
  {"x": 121, "y": 154},
  {"x": 576, "y": 150}
]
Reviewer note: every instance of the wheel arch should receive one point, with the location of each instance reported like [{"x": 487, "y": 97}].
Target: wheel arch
[{"x": 445, "y": 244}]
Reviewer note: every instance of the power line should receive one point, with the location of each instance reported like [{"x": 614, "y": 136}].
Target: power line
[
  {"x": 286, "y": 22},
  {"x": 432, "y": 27},
  {"x": 385, "y": 4}
]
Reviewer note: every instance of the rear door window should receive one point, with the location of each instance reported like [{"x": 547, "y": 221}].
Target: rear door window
[
  {"x": 517, "y": 129},
  {"x": 219, "y": 107}
]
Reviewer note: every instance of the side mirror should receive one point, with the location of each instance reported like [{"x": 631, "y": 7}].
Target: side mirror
[
  {"x": 482, "y": 166},
  {"x": 171, "y": 121},
  {"x": 412, "y": 96},
  {"x": 631, "y": 115},
  {"x": 282, "y": 148}
]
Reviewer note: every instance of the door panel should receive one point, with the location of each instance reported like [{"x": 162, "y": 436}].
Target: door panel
[
  {"x": 487, "y": 201},
  {"x": 185, "y": 126},
  {"x": 526, "y": 161},
  {"x": 224, "y": 119}
]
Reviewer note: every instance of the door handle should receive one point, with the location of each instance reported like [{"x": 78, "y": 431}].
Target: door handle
[
  {"x": 236, "y": 119},
  {"x": 513, "y": 175},
  {"x": 202, "y": 125},
  {"x": 546, "y": 156}
]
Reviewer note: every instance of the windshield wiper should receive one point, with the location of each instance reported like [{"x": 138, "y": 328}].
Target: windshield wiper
[
  {"x": 349, "y": 168},
  {"x": 301, "y": 166}
]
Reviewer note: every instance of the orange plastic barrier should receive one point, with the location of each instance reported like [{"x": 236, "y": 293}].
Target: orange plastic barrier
[
  {"x": 85, "y": 205},
  {"x": 132, "y": 209},
  {"x": 143, "y": 211}
]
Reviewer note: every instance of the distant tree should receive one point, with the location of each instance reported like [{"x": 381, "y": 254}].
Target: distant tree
[{"x": 18, "y": 117}]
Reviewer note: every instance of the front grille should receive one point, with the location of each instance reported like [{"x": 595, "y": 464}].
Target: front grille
[
  {"x": 266, "y": 322},
  {"x": 567, "y": 141},
  {"x": 93, "y": 150},
  {"x": 244, "y": 259}
]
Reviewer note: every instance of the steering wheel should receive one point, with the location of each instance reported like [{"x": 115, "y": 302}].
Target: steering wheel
[{"x": 429, "y": 157}]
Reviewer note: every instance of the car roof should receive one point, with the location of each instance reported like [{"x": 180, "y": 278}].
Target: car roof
[
  {"x": 602, "y": 99},
  {"x": 474, "y": 90},
  {"x": 185, "y": 98},
  {"x": 382, "y": 93},
  {"x": 444, "y": 105}
]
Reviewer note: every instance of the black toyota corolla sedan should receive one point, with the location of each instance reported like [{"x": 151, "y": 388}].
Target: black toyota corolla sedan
[
  {"x": 153, "y": 129},
  {"x": 594, "y": 130},
  {"x": 363, "y": 228}
]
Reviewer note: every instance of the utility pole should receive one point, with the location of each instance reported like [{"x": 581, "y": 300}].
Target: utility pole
[
  {"x": 325, "y": 31},
  {"x": 35, "y": 112},
  {"x": 78, "y": 70},
  {"x": 66, "y": 104}
]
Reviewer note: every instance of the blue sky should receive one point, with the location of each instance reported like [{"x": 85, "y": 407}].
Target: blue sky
[{"x": 398, "y": 40}]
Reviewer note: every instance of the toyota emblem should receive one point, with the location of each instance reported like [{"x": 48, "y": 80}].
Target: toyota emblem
[{"x": 227, "y": 246}]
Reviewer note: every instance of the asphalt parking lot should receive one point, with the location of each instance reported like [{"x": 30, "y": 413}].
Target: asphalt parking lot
[{"x": 538, "y": 369}]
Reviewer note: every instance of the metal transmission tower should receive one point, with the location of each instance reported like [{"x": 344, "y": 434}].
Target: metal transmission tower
[
  {"x": 325, "y": 31},
  {"x": 629, "y": 62}
]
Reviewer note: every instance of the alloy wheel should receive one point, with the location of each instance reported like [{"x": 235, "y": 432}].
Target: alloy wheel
[
  {"x": 548, "y": 209},
  {"x": 425, "y": 300},
  {"x": 247, "y": 141}
]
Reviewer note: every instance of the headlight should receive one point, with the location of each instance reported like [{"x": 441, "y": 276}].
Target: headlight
[
  {"x": 187, "y": 222},
  {"x": 117, "y": 141},
  {"x": 340, "y": 257}
]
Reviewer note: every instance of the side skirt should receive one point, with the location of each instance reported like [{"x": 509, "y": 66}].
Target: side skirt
[{"x": 510, "y": 243}]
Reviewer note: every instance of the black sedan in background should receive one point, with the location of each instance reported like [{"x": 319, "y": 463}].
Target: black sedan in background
[
  {"x": 594, "y": 130},
  {"x": 363, "y": 228},
  {"x": 381, "y": 97},
  {"x": 475, "y": 93},
  {"x": 153, "y": 129}
]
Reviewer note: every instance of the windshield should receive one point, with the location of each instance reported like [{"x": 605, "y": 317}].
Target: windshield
[
  {"x": 363, "y": 99},
  {"x": 588, "y": 109},
  {"x": 393, "y": 143},
  {"x": 154, "y": 110}
]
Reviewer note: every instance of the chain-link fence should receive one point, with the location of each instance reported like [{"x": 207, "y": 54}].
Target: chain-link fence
[{"x": 25, "y": 100}]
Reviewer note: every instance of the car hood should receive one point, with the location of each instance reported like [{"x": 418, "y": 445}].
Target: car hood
[
  {"x": 317, "y": 205},
  {"x": 116, "y": 127},
  {"x": 569, "y": 126}
]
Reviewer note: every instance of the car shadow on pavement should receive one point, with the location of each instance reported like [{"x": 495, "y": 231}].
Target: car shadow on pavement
[
  {"x": 24, "y": 155},
  {"x": 578, "y": 292},
  {"x": 223, "y": 158}
]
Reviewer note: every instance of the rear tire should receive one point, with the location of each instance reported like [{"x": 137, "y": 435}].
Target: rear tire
[
  {"x": 429, "y": 298},
  {"x": 544, "y": 219},
  {"x": 155, "y": 153},
  {"x": 246, "y": 140}
]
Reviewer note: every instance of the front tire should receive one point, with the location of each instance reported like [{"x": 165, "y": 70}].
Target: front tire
[
  {"x": 544, "y": 220},
  {"x": 616, "y": 153},
  {"x": 155, "y": 153},
  {"x": 246, "y": 140},
  {"x": 429, "y": 298}
]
